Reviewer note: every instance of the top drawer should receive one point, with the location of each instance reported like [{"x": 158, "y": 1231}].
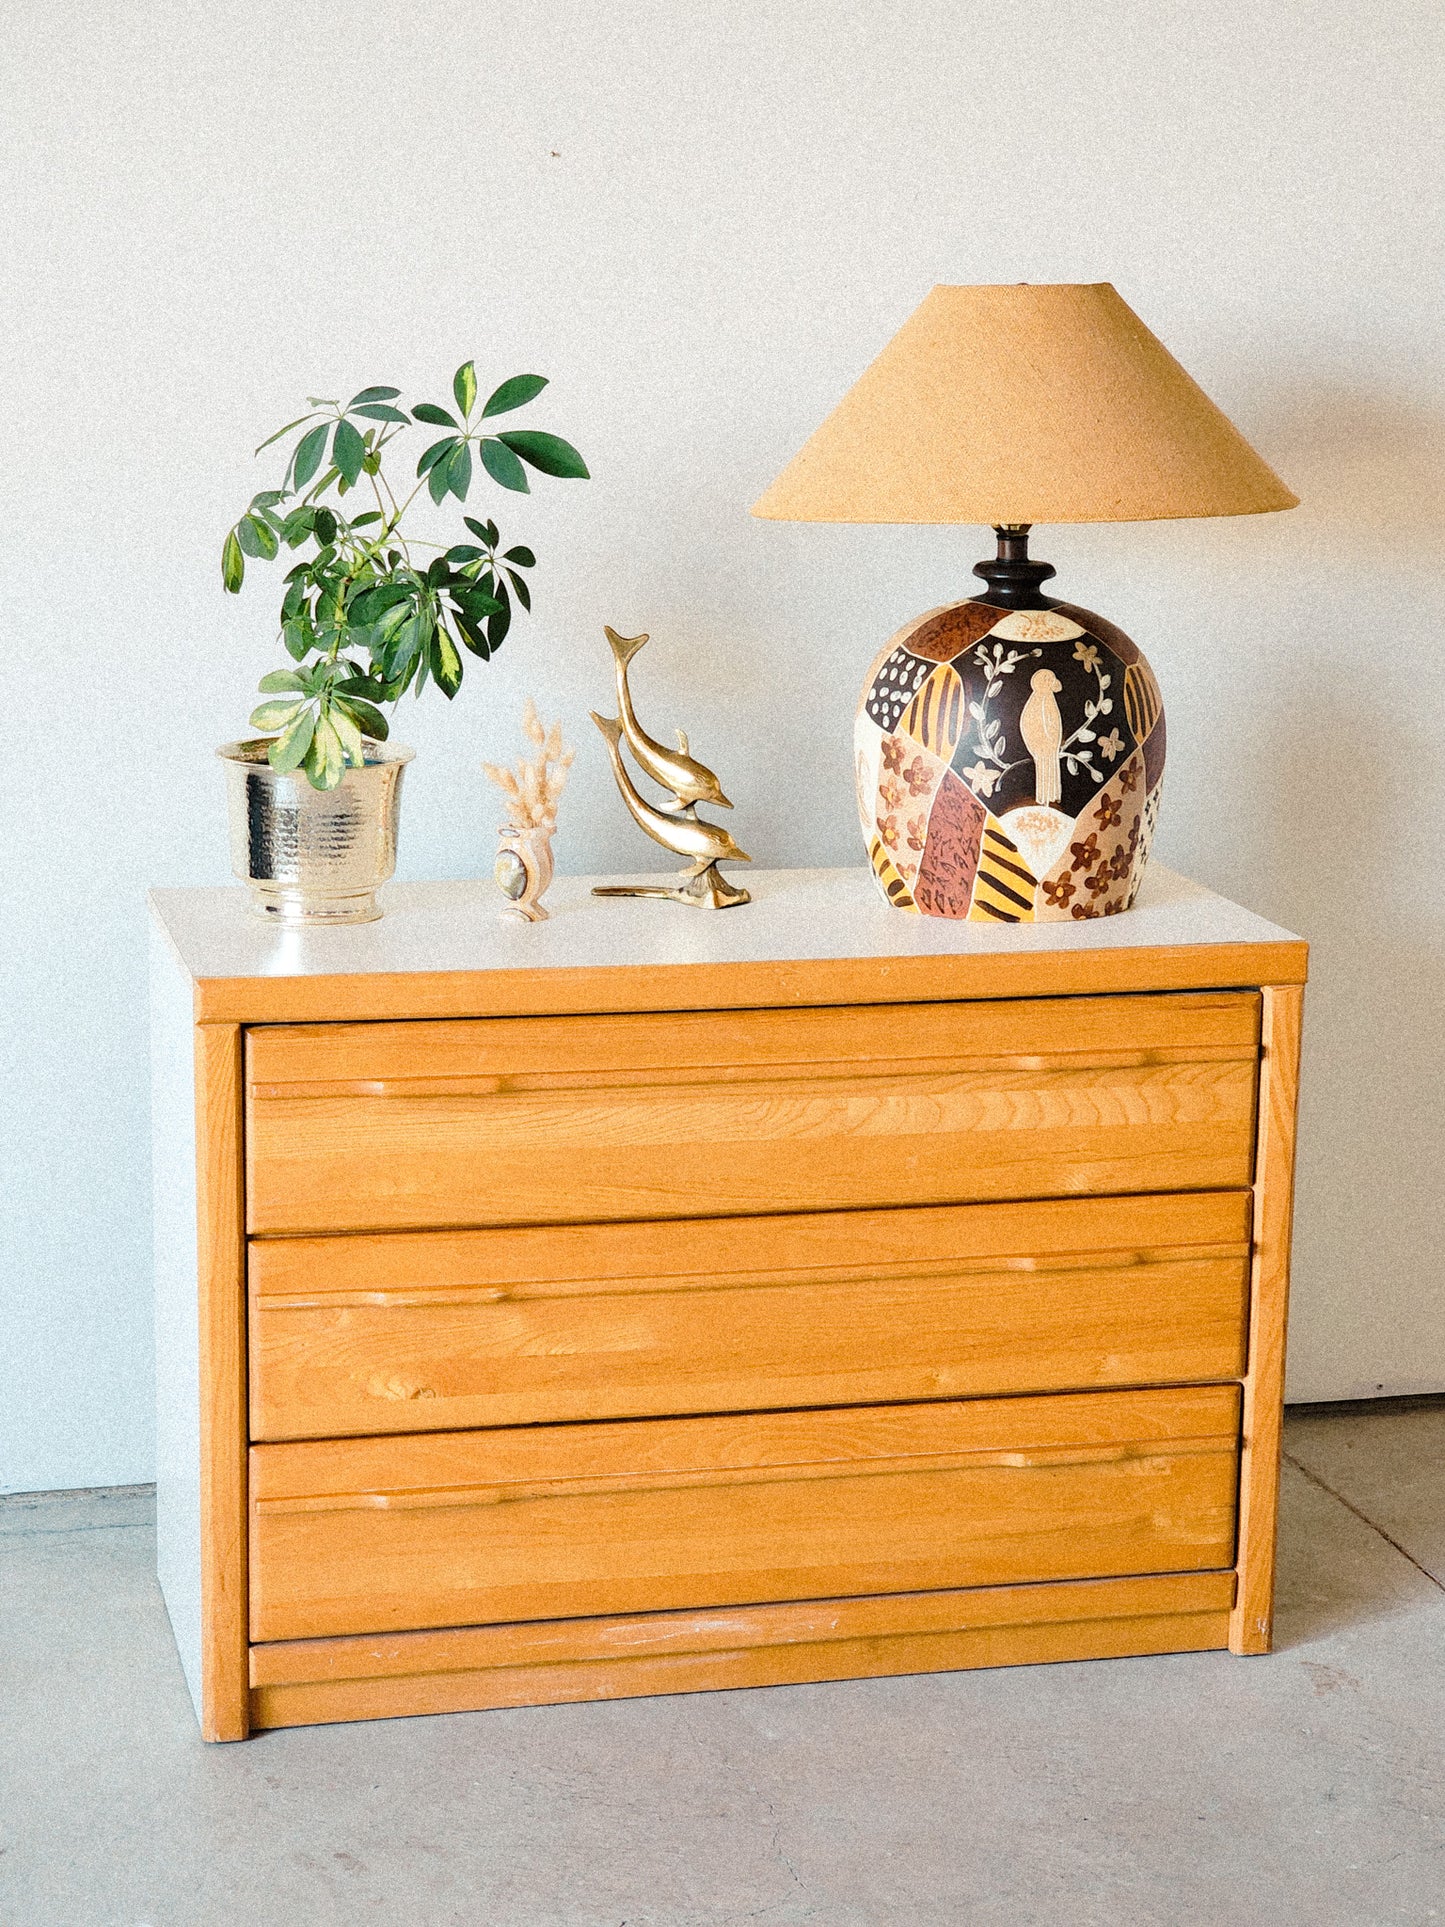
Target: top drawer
[{"x": 542, "y": 1120}]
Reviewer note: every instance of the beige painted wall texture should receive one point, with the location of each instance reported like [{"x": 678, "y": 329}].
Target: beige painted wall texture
[{"x": 702, "y": 220}]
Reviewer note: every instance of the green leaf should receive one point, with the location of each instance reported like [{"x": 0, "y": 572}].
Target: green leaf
[
  {"x": 349, "y": 733},
  {"x": 389, "y": 622},
  {"x": 267, "y": 499},
  {"x": 523, "y": 558},
  {"x": 283, "y": 431},
  {"x": 360, "y": 679},
  {"x": 432, "y": 455},
  {"x": 398, "y": 654},
  {"x": 326, "y": 762},
  {"x": 274, "y": 715},
  {"x": 372, "y": 394},
  {"x": 298, "y": 637},
  {"x": 547, "y": 452},
  {"x": 233, "y": 564},
  {"x": 502, "y": 465},
  {"x": 524, "y": 594},
  {"x": 348, "y": 451},
  {"x": 309, "y": 450},
  {"x": 289, "y": 749},
  {"x": 472, "y": 636},
  {"x": 365, "y": 717},
  {"x": 279, "y": 682},
  {"x": 298, "y": 525},
  {"x": 459, "y": 471},
  {"x": 427, "y": 411},
  {"x": 500, "y": 623},
  {"x": 327, "y": 479},
  {"x": 446, "y": 664},
  {"x": 514, "y": 394},
  {"x": 476, "y": 602},
  {"x": 380, "y": 412},
  {"x": 365, "y": 521},
  {"x": 463, "y": 552},
  {"x": 483, "y": 531},
  {"x": 439, "y": 481},
  {"x": 256, "y": 537},
  {"x": 373, "y": 602},
  {"x": 464, "y": 386},
  {"x": 325, "y": 527}
]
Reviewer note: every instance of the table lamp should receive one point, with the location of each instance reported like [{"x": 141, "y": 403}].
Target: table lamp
[{"x": 1010, "y": 748}]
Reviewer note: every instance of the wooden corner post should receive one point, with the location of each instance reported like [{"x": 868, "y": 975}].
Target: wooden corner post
[
  {"x": 1251, "y": 1625},
  {"x": 222, "y": 1287}
]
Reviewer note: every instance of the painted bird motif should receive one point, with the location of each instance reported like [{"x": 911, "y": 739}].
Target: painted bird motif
[{"x": 1042, "y": 729}]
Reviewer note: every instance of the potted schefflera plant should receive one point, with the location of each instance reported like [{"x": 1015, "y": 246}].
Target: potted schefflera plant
[{"x": 371, "y": 609}]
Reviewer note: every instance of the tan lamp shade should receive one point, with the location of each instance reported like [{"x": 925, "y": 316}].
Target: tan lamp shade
[{"x": 1024, "y": 404}]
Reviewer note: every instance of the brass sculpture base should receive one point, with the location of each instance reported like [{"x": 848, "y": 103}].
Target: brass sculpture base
[{"x": 708, "y": 889}]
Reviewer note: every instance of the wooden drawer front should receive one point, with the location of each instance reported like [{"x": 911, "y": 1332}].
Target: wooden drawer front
[
  {"x": 399, "y": 1331},
  {"x": 448, "y": 1529},
  {"x": 571, "y": 1119}
]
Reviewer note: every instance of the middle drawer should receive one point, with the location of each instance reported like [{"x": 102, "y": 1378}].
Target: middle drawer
[
  {"x": 449, "y": 1330},
  {"x": 561, "y": 1521}
]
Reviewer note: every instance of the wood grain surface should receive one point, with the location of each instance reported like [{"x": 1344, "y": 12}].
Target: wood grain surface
[
  {"x": 366, "y": 996},
  {"x": 370, "y": 1535},
  {"x": 1252, "y": 1625},
  {"x": 221, "y": 1258},
  {"x": 548, "y": 1662},
  {"x": 400, "y": 1332},
  {"x": 554, "y": 1120}
]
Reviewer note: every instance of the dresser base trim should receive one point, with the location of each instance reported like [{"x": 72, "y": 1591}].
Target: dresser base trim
[{"x": 545, "y": 1663}]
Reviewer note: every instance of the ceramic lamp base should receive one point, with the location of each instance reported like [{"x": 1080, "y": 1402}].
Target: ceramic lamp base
[{"x": 1009, "y": 764}]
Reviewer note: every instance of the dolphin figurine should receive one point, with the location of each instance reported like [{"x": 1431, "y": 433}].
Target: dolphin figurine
[
  {"x": 689, "y": 780},
  {"x": 682, "y": 831}
]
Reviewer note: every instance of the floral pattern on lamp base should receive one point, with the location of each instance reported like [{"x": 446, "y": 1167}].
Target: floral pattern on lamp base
[{"x": 1009, "y": 764}]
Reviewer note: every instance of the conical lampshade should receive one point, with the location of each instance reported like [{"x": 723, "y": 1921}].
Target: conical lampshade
[{"x": 1024, "y": 404}]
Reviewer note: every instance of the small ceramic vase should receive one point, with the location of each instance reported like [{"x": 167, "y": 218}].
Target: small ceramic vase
[{"x": 524, "y": 870}]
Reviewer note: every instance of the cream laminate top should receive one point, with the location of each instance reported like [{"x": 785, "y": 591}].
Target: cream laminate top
[{"x": 795, "y": 916}]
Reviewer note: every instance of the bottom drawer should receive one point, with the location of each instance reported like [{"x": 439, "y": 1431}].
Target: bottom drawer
[
  {"x": 544, "y": 1662},
  {"x": 548, "y": 1522}
]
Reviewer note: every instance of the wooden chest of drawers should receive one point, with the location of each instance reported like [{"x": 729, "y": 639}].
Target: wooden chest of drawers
[{"x": 644, "y": 1301}]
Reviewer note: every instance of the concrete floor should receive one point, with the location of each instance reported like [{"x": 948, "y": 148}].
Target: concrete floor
[{"x": 1305, "y": 1788}]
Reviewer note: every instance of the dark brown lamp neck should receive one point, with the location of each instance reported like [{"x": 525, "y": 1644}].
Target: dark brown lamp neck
[{"x": 1013, "y": 580}]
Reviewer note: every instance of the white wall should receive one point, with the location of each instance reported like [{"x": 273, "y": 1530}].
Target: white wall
[{"x": 702, "y": 220}]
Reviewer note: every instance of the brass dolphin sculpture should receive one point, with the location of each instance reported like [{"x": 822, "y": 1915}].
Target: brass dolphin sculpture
[
  {"x": 683, "y": 831},
  {"x": 689, "y": 780}
]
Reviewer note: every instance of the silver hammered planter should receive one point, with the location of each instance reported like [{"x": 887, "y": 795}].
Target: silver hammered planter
[{"x": 314, "y": 856}]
